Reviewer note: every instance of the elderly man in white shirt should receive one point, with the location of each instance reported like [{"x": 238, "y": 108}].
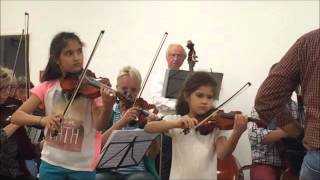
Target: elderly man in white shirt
[{"x": 175, "y": 57}]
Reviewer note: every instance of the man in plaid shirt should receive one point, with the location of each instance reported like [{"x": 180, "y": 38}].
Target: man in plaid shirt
[{"x": 300, "y": 65}]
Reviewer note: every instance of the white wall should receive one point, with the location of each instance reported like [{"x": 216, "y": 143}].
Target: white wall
[{"x": 241, "y": 39}]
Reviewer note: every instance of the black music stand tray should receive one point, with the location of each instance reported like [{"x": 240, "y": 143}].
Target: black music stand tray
[
  {"x": 174, "y": 79},
  {"x": 125, "y": 148}
]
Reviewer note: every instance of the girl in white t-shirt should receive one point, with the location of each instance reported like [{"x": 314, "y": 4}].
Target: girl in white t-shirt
[
  {"x": 73, "y": 152},
  {"x": 194, "y": 156}
]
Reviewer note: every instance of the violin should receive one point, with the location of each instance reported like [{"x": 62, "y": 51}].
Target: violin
[
  {"x": 91, "y": 89},
  {"x": 87, "y": 89},
  {"x": 143, "y": 109},
  {"x": 221, "y": 120}
]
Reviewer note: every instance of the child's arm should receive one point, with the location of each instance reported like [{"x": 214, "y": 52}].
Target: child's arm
[
  {"x": 6, "y": 133},
  {"x": 164, "y": 125},
  {"x": 225, "y": 146},
  {"x": 274, "y": 136},
  {"x": 10, "y": 129},
  {"x": 23, "y": 115},
  {"x": 103, "y": 113}
]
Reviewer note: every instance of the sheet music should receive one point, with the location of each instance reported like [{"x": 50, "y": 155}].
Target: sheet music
[
  {"x": 113, "y": 156},
  {"x": 125, "y": 148},
  {"x": 33, "y": 134}
]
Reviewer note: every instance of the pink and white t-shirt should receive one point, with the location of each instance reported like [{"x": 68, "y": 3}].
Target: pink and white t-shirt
[{"x": 77, "y": 145}]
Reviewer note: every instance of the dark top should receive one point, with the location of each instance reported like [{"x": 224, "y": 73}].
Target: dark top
[{"x": 15, "y": 149}]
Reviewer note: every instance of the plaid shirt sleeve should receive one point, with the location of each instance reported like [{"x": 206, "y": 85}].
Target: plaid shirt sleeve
[
  {"x": 275, "y": 92},
  {"x": 300, "y": 65}
]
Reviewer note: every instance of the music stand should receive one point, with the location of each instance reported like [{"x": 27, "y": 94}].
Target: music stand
[
  {"x": 125, "y": 148},
  {"x": 34, "y": 134},
  {"x": 174, "y": 79}
]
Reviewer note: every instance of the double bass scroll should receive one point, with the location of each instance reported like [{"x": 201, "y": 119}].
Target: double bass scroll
[{"x": 192, "y": 57}]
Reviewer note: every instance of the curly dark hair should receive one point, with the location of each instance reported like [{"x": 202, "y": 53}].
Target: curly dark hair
[{"x": 191, "y": 84}]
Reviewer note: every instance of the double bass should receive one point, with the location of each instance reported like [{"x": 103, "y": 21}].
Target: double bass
[{"x": 192, "y": 57}]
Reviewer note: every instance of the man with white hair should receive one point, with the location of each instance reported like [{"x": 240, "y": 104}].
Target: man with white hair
[{"x": 175, "y": 57}]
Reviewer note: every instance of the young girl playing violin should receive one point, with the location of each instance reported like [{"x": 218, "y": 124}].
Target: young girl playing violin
[
  {"x": 196, "y": 98},
  {"x": 73, "y": 152}
]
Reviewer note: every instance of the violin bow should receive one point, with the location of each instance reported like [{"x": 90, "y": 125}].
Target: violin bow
[
  {"x": 151, "y": 66},
  {"x": 82, "y": 76},
  {"x": 26, "y": 55},
  {"x": 247, "y": 85},
  {"x": 16, "y": 58},
  {"x": 23, "y": 36},
  {"x": 17, "y": 54},
  {"x": 144, "y": 84}
]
